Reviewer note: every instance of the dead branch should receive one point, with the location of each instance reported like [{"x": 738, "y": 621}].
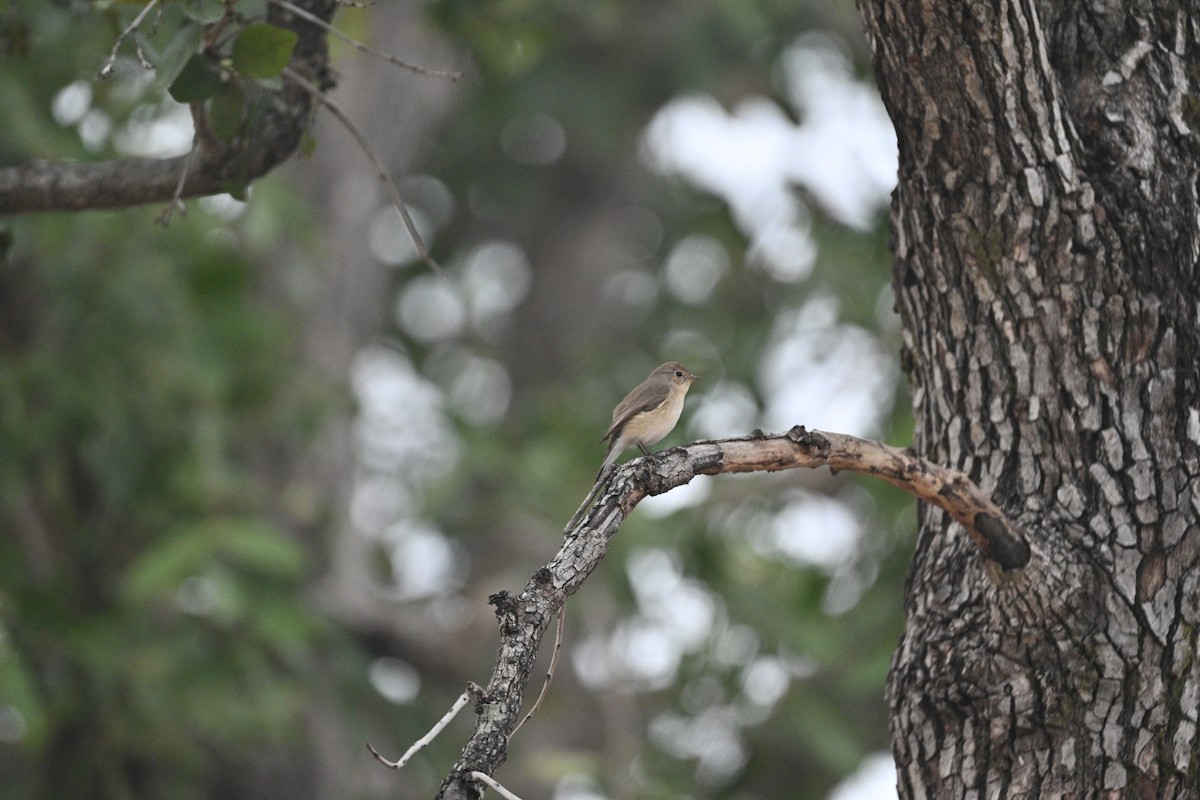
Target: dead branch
[
  {"x": 490, "y": 781},
  {"x": 176, "y": 201},
  {"x": 993, "y": 532},
  {"x": 106, "y": 70},
  {"x": 473, "y": 690},
  {"x": 523, "y": 618}
]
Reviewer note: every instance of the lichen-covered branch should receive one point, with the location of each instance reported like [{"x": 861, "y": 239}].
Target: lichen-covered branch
[{"x": 523, "y": 618}]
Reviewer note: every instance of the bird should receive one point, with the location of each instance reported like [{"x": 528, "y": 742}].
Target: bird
[{"x": 648, "y": 412}]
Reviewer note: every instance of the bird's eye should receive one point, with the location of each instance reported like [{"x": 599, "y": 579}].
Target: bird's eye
[{"x": 678, "y": 373}]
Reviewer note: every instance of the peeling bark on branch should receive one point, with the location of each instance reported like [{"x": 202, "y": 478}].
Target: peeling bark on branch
[
  {"x": 269, "y": 141},
  {"x": 523, "y": 618}
]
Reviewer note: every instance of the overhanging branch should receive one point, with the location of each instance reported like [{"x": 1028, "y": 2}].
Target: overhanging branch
[
  {"x": 120, "y": 183},
  {"x": 523, "y": 618}
]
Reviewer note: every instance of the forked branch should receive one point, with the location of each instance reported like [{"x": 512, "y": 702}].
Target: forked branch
[{"x": 523, "y": 618}]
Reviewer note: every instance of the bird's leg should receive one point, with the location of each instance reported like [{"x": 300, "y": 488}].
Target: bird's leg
[{"x": 642, "y": 447}]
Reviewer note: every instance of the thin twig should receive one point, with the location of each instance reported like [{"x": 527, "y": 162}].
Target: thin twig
[
  {"x": 107, "y": 69},
  {"x": 176, "y": 200},
  {"x": 558, "y": 640},
  {"x": 483, "y": 777},
  {"x": 145, "y": 63},
  {"x": 323, "y": 99},
  {"x": 353, "y": 4},
  {"x": 426, "y": 739},
  {"x": 357, "y": 45}
]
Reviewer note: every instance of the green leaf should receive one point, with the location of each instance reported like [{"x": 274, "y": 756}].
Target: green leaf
[
  {"x": 162, "y": 568},
  {"x": 205, "y": 12},
  {"x": 262, "y": 50},
  {"x": 174, "y": 57},
  {"x": 235, "y": 188},
  {"x": 251, "y": 546},
  {"x": 308, "y": 146},
  {"x": 226, "y": 112},
  {"x": 199, "y": 80},
  {"x": 261, "y": 549},
  {"x": 18, "y": 687}
]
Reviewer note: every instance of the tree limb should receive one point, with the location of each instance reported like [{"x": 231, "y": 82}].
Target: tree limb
[
  {"x": 119, "y": 183},
  {"x": 523, "y": 618}
]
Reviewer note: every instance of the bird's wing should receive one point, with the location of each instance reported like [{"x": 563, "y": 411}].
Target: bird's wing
[{"x": 635, "y": 403}]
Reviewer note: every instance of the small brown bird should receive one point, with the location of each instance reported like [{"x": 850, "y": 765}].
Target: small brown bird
[{"x": 649, "y": 412}]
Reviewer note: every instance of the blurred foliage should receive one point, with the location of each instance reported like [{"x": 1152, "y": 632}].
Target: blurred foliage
[
  {"x": 152, "y": 630},
  {"x": 148, "y": 593},
  {"x": 156, "y": 639}
]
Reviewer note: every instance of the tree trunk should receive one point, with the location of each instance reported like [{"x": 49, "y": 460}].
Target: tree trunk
[{"x": 1046, "y": 229}]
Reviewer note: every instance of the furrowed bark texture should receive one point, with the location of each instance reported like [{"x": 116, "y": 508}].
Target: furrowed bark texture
[{"x": 1046, "y": 229}]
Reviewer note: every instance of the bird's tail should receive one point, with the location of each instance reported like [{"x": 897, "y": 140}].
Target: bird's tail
[{"x": 609, "y": 458}]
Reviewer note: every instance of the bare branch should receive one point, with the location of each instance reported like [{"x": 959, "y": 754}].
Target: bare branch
[
  {"x": 493, "y": 783},
  {"x": 357, "y": 45},
  {"x": 950, "y": 490},
  {"x": 107, "y": 69},
  {"x": 176, "y": 201},
  {"x": 523, "y": 618},
  {"x": 558, "y": 640},
  {"x": 397, "y": 200},
  {"x": 427, "y": 738}
]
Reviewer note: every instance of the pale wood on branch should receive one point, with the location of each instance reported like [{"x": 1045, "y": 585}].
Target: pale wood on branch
[{"x": 523, "y": 618}]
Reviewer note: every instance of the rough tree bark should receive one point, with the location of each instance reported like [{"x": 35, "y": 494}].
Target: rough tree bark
[{"x": 1046, "y": 229}]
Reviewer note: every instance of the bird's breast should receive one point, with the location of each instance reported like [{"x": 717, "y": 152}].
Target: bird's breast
[{"x": 651, "y": 426}]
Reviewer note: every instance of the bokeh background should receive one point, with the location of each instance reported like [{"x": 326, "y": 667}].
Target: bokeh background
[{"x": 260, "y": 469}]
